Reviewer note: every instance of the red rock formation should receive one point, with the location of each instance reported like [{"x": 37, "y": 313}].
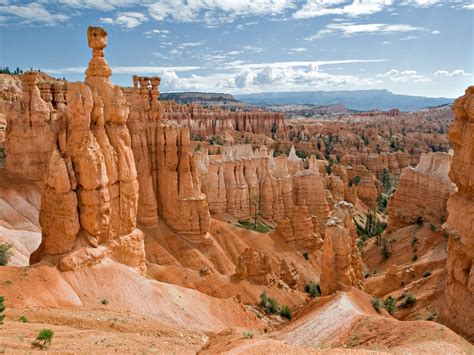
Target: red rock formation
[
  {"x": 460, "y": 224},
  {"x": 168, "y": 176},
  {"x": 213, "y": 121},
  {"x": 28, "y": 120},
  {"x": 89, "y": 202},
  {"x": 422, "y": 192},
  {"x": 341, "y": 262},
  {"x": 260, "y": 268}
]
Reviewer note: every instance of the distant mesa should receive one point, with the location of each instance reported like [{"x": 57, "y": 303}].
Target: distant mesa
[{"x": 360, "y": 100}]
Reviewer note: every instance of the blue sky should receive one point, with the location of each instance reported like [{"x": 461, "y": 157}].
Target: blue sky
[{"x": 414, "y": 47}]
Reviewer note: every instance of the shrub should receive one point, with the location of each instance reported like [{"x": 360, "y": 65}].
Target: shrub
[
  {"x": 285, "y": 312},
  {"x": 272, "y": 307},
  {"x": 23, "y": 319},
  {"x": 248, "y": 335},
  {"x": 44, "y": 338},
  {"x": 390, "y": 304},
  {"x": 105, "y": 301},
  {"x": 306, "y": 255},
  {"x": 432, "y": 316},
  {"x": 377, "y": 304},
  {"x": 385, "y": 249},
  {"x": 419, "y": 221},
  {"x": 264, "y": 299},
  {"x": 356, "y": 180},
  {"x": 426, "y": 273},
  {"x": 2, "y": 309},
  {"x": 408, "y": 301},
  {"x": 414, "y": 257},
  {"x": 269, "y": 304},
  {"x": 432, "y": 227},
  {"x": 5, "y": 253},
  {"x": 313, "y": 290}
]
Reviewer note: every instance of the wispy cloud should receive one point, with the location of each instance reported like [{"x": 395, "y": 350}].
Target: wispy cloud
[
  {"x": 127, "y": 20},
  {"x": 297, "y": 50},
  {"x": 404, "y": 76},
  {"x": 124, "y": 70},
  {"x": 215, "y": 10},
  {"x": 315, "y": 8},
  {"x": 454, "y": 73},
  {"x": 33, "y": 13},
  {"x": 349, "y": 29}
]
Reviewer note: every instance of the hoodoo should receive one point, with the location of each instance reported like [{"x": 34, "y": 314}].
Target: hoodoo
[{"x": 89, "y": 202}]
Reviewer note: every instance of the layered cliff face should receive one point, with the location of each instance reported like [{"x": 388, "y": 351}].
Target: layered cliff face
[
  {"x": 31, "y": 119},
  {"x": 460, "y": 224},
  {"x": 376, "y": 163},
  {"x": 167, "y": 174},
  {"x": 422, "y": 192},
  {"x": 341, "y": 262},
  {"x": 89, "y": 200},
  {"x": 213, "y": 121},
  {"x": 245, "y": 184}
]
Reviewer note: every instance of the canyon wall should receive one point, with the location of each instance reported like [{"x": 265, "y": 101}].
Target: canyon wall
[
  {"x": 422, "y": 192},
  {"x": 90, "y": 194},
  {"x": 211, "y": 121},
  {"x": 460, "y": 224}
]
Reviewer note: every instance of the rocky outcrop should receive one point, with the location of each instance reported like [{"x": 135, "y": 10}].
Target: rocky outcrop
[
  {"x": 260, "y": 268},
  {"x": 169, "y": 181},
  {"x": 213, "y": 121},
  {"x": 245, "y": 183},
  {"x": 341, "y": 261},
  {"x": 31, "y": 119},
  {"x": 460, "y": 224},
  {"x": 301, "y": 230},
  {"x": 376, "y": 163},
  {"x": 422, "y": 192},
  {"x": 89, "y": 201}
]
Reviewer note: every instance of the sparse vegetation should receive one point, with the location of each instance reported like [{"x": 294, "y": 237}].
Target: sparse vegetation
[
  {"x": 355, "y": 181},
  {"x": 5, "y": 253},
  {"x": 390, "y": 304},
  {"x": 285, "y": 312},
  {"x": 260, "y": 227},
  {"x": 269, "y": 304},
  {"x": 23, "y": 319},
  {"x": 313, "y": 290},
  {"x": 44, "y": 339},
  {"x": 377, "y": 304},
  {"x": 248, "y": 335},
  {"x": 386, "y": 252},
  {"x": 432, "y": 316},
  {"x": 419, "y": 221},
  {"x": 408, "y": 301},
  {"x": 2, "y": 309}
]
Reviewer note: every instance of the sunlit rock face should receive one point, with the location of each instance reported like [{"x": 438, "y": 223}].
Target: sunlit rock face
[
  {"x": 90, "y": 196},
  {"x": 341, "y": 262},
  {"x": 460, "y": 224},
  {"x": 169, "y": 181},
  {"x": 422, "y": 192}
]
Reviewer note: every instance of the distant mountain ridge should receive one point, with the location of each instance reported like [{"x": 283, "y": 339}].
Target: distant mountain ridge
[{"x": 360, "y": 100}]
